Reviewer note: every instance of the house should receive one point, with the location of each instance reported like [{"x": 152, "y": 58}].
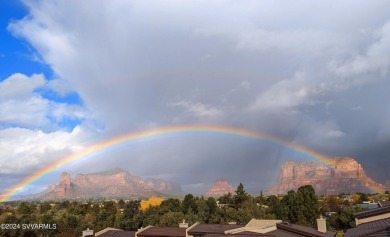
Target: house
[
  {"x": 384, "y": 203},
  {"x": 264, "y": 228},
  {"x": 292, "y": 230},
  {"x": 371, "y": 229},
  {"x": 200, "y": 230},
  {"x": 152, "y": 231},
  {"x": 110, "y": 232},
  {"x": 369, "y": 223},
  {"x": 372, "y": 215},
  {"x": 100, "y": 233},
  {"x": 256, "y": 226},
  {"x": 118, "y": 233}
]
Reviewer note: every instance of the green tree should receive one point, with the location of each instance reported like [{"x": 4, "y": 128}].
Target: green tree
[
  {"x": 24, "y": 208},
  {"x": 68, "y": 224},
  {"x": 171, "y": 219},
  {"x": 203, "y": 210},
  {"x": 212, "y": 205},
  {"x": 110, "y": 207},
  {"x": 131, "y": 209},
  {"x": 44, "y": 207},
  {"x": 226, "y": 199},
  {"x": 240, "y": 196},
  {"x": 363, "y": 197},
  {"x": 299, "y": 207},
  {"x": 309, "y": 204},
  {"x": 346, "y": 218},
  {"x": 273, "y": 203},
  {"x": 121, "y": 204},
  {"x": 214, "y": 211},
  {"x": 260, "y": 199},
  {"x": 150, "y": 216},
  {"x": 253, "y": 209},
  {"x": 64, "y": 204},
  {"x": 130, "y": 220},
  {"x": 171, "y": 204},
  {"x": 331, "y": 203},
  {"x": 289, "y": 207},
  {"x": 231, "y": 215},
  {"x": 243, "y": 216},
  {"x": 188, "y": 204}
]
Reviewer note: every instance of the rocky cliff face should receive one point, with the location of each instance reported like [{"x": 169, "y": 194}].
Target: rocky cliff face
[
  {"x": 64, "y": 187},
  {"x": 342, "y": 175},
  {"x": 115, "y": 183},
  {"x": 219, "y": 188}
]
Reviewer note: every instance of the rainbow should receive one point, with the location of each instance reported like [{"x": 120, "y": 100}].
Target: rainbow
[{"x": 158, "y": 132}]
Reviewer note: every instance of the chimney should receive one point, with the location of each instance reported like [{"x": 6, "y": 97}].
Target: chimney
[
  {"x": 184, "y": 224},
  {"x": 321, "y": 224},
  {"x": 88, "y": 232}
]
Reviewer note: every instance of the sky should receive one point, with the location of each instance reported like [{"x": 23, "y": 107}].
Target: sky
[{"x": 75, "y": 73}]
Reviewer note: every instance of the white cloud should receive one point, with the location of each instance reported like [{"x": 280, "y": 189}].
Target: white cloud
[
  {"x": 286, "y": 94},
  {"x": 59, "y": 86},
  {"x": 29, "y": 112},
  {"x": 375, "y": 58},
  {"x": 21, "y": 105},
  {"x": 19, "y": 86},
  {"x": 24, "y": 150},
  {"x": 62, "y": 110}
]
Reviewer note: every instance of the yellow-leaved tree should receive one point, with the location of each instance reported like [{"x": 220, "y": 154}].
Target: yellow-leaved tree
[{"x": 153, "y": 201}]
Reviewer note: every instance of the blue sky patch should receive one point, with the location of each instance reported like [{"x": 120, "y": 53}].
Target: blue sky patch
[{"x": 15, "y": 54}]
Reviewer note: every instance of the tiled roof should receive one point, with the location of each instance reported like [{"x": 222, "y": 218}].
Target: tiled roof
[
  {"x": 249, "y": 234},
  {"x": 283, "y": 230},
  {"x": 212, "y": 229},
  {"x": 384, "y": 203},
  {"x": 283, "y": 233},
  {"x": 301, "y": 230},
  {"x": 118, "y": 233},
  {"x": 99, "y": 233},
  {"x": 369, "y": 228},
  {"x": 164, "y": 232},
  {"x": 372, "y": 212}
]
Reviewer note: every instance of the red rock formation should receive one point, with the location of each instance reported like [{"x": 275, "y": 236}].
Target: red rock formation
[
  {"x": 116, "y": 183},
  {"x": 219, "y": 188},
  {"x": 343, "y": 175},
  {"x": 64, "y": 187}
]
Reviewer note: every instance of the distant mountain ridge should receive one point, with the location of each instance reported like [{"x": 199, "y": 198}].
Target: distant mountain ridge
[
  {"x": 115, "y": 183},
  {"x": 342, "y": 175}
]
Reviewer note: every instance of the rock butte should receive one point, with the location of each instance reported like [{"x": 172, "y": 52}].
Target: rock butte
[
  {"x": 115, "y": 183},
  {"x": 345, "y": 175},
  {"x": 219, "y": 188}
]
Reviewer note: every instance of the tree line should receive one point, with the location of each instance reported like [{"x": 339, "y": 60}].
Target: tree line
[{"x": 72, "y": 217}]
